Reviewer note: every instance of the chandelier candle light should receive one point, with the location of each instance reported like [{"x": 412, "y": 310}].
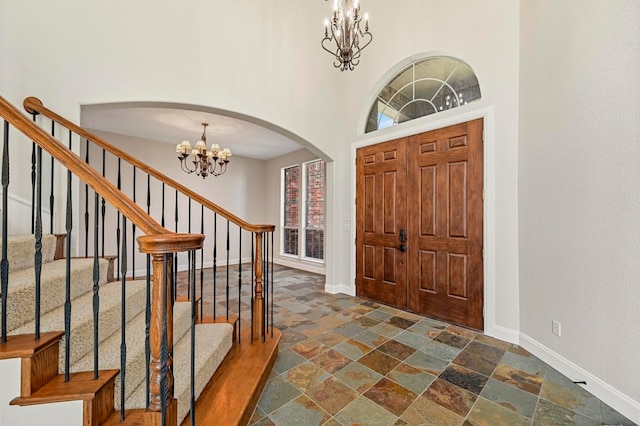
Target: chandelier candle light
[
  {"x": 212, "y": 162},
  {"x": 344, "y": 29}
]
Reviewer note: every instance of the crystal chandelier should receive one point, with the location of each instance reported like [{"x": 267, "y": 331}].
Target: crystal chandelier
[
  {"x": 344, "y": 29},
  {"x": 212, "y": 162}
]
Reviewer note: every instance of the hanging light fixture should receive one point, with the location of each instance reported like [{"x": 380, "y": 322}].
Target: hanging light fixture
[
  {"x": 344, "y": 29},
  {"x": 212, "y": 162}
]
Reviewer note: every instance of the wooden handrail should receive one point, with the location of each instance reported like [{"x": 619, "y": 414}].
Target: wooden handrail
[
  {"x": 33, "y": 104},
  {"x": 170, "y": 241}
]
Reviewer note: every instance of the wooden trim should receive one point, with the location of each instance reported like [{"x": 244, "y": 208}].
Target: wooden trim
[
  {"x": 26, "y": 345},
  {"x": 32, "y": 104}
]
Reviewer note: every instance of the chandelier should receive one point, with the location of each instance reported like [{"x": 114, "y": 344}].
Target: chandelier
[
  {"x": 212, "y": 162},
  {"x": 344, "y": 29}
]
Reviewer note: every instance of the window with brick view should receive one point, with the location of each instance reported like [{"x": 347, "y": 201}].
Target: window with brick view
[
  {"x": 314, "y": 210},
  {"x": 291, "y": 182}
]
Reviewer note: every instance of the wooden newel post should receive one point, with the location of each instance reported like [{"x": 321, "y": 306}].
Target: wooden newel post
[
  {"x": 258, "y": 296},
  {"x": 161, "y": 247},
  {"x": 154, "y": 415}
]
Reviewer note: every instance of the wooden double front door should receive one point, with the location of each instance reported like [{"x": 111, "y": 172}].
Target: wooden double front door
[{"x": 419, "y": 223}]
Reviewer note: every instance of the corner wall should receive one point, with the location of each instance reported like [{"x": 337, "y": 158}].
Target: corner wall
[{"x": 579, "y": 202}]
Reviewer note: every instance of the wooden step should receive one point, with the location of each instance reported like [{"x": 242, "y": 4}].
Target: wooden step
[
  {"x": 96, "y": 394},
  {"x": 233, "y": 393}
]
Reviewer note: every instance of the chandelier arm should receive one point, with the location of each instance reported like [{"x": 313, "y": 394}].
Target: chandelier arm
[{"x": 183, "y": 165}]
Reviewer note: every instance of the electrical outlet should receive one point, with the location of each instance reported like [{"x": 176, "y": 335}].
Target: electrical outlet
[{"x": 555, "y": 328}]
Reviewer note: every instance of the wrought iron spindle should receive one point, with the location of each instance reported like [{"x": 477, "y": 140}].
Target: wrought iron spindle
[
  {"x": 104, "y": 207},
  {"x": 123, "y": 318},
  {"x": 133, "y": 231},
  {"x": 4, "y": 263},
  {"x": 189, "y": 254},
  {"x": 147, "y": 320},
  {"x": 253, "y": 260},
  {"x": 67, "y": 297},
  {"x": 118, "y": 226},
  {"x": 239, "y": 283},
  {"x": 192, "y": 284},
  {"x": 272, "y": 282},
  {"x": 201, "y": 262},
  {"x": 215, "y": 261},
  {"x": 162, "y": 218},
  {"x": 51, "y": 196},
  {"x": 164, "y": 350},
  {"x": 86, "y": 204},
  {"x": 38, "y": 245},
  {"x": 227, "y": 287},
  {"x": 96, "y": 287},
  {"x": 33, "y": 184},
  {"x": 175, "y": 257}
]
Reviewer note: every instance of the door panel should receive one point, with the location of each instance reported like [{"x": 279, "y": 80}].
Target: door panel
[
  {"x": 455, "y": 154},
  {"x": 381, "y": 211},
  {"x": 431, "y": 186}
]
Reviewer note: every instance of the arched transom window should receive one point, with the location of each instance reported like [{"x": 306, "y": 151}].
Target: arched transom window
[{"x": 425, "y": 87}]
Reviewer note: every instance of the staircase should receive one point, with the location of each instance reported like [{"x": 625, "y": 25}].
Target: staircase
[
  {"x": 212, "y": 343},
  {"x": 130, "y": 350}
]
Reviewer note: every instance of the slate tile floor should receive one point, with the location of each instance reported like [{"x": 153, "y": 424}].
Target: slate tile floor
[{"x": 348, "y": 361}]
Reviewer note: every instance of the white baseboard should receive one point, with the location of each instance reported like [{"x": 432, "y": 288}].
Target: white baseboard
[
  {"x": 302, "y": 265},
  {"x": 339, "y": 288},
  {"x": 603, "y": 391},
  {"x": 506, "y": 334}
]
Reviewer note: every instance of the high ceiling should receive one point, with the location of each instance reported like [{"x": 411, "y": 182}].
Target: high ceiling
[{"x": 173, "y": 125}]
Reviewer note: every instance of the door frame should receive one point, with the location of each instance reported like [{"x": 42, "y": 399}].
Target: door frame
[{"x": 427, "y": 124}]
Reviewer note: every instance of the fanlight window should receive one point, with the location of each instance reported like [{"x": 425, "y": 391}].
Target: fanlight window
[{"x": 425, "y": 87}]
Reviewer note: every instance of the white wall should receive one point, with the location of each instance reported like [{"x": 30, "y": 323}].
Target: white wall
[
  {"x": 579, "y": 202},
  {"x": 273, "y": 205}
]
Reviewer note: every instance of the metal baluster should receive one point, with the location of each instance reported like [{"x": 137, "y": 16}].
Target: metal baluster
[
  {"x": 96, "y": 287},
  {"x": 228, "y": 251},
  {"x": 175, "y": 256},
  {"x": 4, "y": 263},
  {"x": 133, "y": 233},
  {"x": 253, "y": 262},
  {"x": 51, "y": 197},
  {"x": 215, "y": 261},
  {"x": 123, "y": 310},
  {"x": 86, "y": 205},
  {"x": 38, "y": 238},
  {"x": 67, "y": 298},
  {"x": 192, "y": 284},
  {"x": 239, "y": 283},
  {"x": 162, "y": 218},
  {"x": 147, "y": 321},
  {"x": 265, "y": 289},
  {"x": 118, "y": 226},
  {"x": 189, "y": 254},
  {"x": 33, "y": 184},
  {"x": 104, "y": 207},
  {"x": 202, "y": 262}
]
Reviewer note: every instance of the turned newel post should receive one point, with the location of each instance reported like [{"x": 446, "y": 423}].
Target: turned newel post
[
  {"x": 258, "y": 296},
  {"x": 162, "y": 247}
]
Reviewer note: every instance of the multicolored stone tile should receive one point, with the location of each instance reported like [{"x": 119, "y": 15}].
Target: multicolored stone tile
[
  {"x": 386, "y": 330},
  {"x": 363, "y": 408},
  {"x": 440, "y": 350},
  {"x": 486, "y": 413},
  {"x": 332, "y": 395},
  {"x": 479, "y": 358},
  {"x": 550, "y": 414},
  {"x": 510, "y": 397},
  {"x": 411, "y": 339},
  {"x": 400, "y": 322},
  {"x": 353, "y": 349},
  {"x": 331, "y": 361},
  {"x": 305, "y": 376},
  {"x": 411, "y": 378},
  {"x": 427, "y": 363},
  {"x": 464, "y": 378},
  {"x": 561, "y": 391},
  {"x": 391, "y": 396},
  {"x": 358, "y": 377},
  {"x": 451, "y": 397},
  {"x": 529, "y": 364},
  {"x": 518, "y": 378},
  {"x": 451, "y": 339},
  {"x": 330, "y": 339},
  {"x": 309, "y": 348},
  {"x": 434, "y": 414},
  {"x": 492, "y": 341},
  {"x": 287, "y": 359},
  {"x": 396, "y": 349},
  {"x": 277, "y": 393},
  {"x": 300, "y": 411},
  {"x": 370, "y": 339},
  {"x": 379, "y": 362}
]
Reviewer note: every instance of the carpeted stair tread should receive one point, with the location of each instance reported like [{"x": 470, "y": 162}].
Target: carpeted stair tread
[
  {"x": 21, "y": 250},
  {"x": 82, "y": 317},
  {"x": 109, "y": 349},
  {"x": 213, "y": 342},
  {"x": 21, "y": 292}
]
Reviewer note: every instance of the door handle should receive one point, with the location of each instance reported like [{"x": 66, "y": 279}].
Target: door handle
[
  {"x": 402, "y": 248},
  {"x": 403, "y": 236}
]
